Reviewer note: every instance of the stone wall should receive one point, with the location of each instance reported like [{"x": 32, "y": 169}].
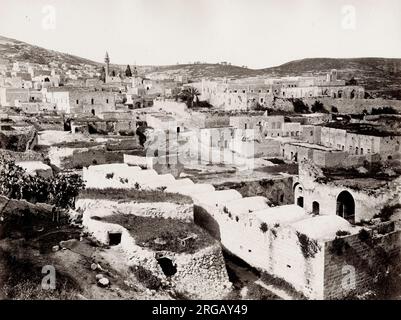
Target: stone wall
[
  {"x": 201, "y": 275},
  {"x": 19, "y": 140},
  {"x": 277, "y": 191},
  {"x": 355, "y": 105},
  {"x": 367, "y": 259},
  {"x": 276, "y": 251},
  {"x": 71, "y": 158},
  {"x": 21, "y": 156},
  {"x": 368, "y": 202},
  {"x": 166, "y": 210}
]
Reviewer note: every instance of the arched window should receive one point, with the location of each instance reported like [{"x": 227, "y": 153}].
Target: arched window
[{"x": 346, "y": 206}]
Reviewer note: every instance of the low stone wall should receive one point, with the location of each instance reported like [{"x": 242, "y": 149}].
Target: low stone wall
[
  {"x": 152, "y": 209},
  {"x": 28, "y": 155},
  {"x": 70, "y": 158},
  {"x": 355, "y": 105}
]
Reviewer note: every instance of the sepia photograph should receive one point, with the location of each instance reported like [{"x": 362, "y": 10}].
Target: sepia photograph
[{"x": 215, "y": 152}]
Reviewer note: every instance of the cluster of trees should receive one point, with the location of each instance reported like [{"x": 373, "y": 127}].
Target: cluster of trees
[
  {"x": 59, "y": 190},
  {"x": 383, "y": 110},
  {"x": 190, "y": 96},
  {"x": 318, "y": 107},
  {"x": 301, "y": 107},
  {"x": 128, "y": 73}
]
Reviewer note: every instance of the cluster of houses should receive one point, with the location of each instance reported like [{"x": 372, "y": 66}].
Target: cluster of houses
[
  {"x": 272, "y": 238},
  {"x": 245, "y": 94}
]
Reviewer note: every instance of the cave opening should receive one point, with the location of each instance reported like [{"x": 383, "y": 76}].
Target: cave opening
[
  {"x": 168, "y": 267},
  {"x": 114, "y": 238}
]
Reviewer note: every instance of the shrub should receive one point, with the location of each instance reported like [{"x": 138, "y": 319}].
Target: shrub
[
  {"x": 263, "y": 227},
  {"x": 338, "y": 245},
  {"x": 387, "y": 211},
  {"x": 236, "y": 218},
  {"x": 299, "y": 106},
  {"x": 318, "y": 107},
  {"x": 146, "y": 277},
  {"x": 342, "y": 233},
  {"x": 309, "y": 247},
  {"x": 383, "y": 110},
  {"x": 363, "y": 235},
  {"x": 59, "y": 190},
  {"x": 334, "y": 109},
  {"x": 109, "y": 175}
]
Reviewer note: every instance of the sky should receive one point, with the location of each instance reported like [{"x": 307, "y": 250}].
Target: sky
[{"x": 254, "y": 33}]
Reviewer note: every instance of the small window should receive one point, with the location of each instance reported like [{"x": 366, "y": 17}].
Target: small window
[
  {"x": 92, "y": 101},
  {"x": 107, "y": 100},
  {"x": 77, "y": 101}
]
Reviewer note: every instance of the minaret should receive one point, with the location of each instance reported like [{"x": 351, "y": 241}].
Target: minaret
[{"x": 107, "y": 62}]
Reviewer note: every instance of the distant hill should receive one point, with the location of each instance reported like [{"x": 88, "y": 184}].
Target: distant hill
[
  {"x": 14, "y": 50},
  {"x": 374, "y": 73},
  {"x": 381, "y": 75}
]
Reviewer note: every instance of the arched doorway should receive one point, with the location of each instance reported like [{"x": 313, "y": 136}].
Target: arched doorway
[
  {"x": 346, "y": 206},
  {"x": 315, "y": 207},
  {"x": 299, "y": 195}
]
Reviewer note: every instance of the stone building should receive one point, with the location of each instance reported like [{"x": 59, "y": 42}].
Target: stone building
[
  {"x": 361, "y": 139},
  {"x": 80, "y": 100},
  {"x": 248, "y": 94}
]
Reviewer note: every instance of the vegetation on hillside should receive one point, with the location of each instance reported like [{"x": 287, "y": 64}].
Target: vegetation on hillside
[{"x": 59, "y": 190}]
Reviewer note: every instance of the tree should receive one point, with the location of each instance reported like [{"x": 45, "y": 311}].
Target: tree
[
  {"x": 128, "y": 72},
  {"x": 318, "y": 107},
  {"x": 299, "y": 106},
  {"x": 189, "y": 95},
  {"x": 351, "y": 82}
]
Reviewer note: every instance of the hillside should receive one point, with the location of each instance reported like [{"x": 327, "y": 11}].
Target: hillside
[
  {"x": 13, "y": 50},
  {"x": 378, "y": 75},
  {"x": 374, "y": 73}
]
